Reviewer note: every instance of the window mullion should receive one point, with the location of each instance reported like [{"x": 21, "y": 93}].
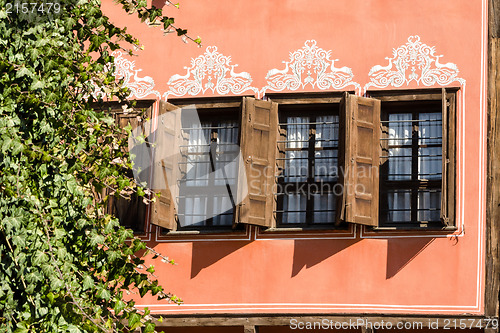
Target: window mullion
[
  {"x": 211, "y": 174},
  {"x": 414, "y": 167},
  {"x": 310, "y": 171}
]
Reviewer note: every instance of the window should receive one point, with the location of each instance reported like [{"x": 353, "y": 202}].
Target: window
[
  {"x": 411, "y": 172},
  {"x": 311, "y": 160},
  {"x": 307, "y": 160},
  {"x": 224, "y": 173},
  {"x": 131, "y": 212},
  {"x": 417, "y": 166},
  {"x": 206, "y": 198}
]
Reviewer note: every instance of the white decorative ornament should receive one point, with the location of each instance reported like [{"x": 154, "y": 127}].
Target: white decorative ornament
[
  {"x": 413, "y": 61},
  {"x": 140, "y": 86},
  {"x": 212, "y": 72},
  {"x": 310, "y": 65}
]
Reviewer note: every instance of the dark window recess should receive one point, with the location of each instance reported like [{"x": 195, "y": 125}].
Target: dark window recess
[
  {"x": 205, "y": 195},
  {"x": 411, "y": 168},
  {"x": 307, "y": 161},
  {"x": 131, "y": 212}
]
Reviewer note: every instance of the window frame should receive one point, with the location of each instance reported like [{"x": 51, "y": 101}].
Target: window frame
[
  {"x": 143, "y": 108},
  {"x": 209, "y": 107},
  {"x": 215, "y": 117},
  {"x": 445, "y": 99},
  {"x": 214, "y": 105},
  {"x": 286, "y": 103}
]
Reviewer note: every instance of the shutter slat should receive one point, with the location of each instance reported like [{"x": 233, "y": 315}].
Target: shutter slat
[
  {"x": 259, "y": 126},
  {"x": 359, "y": 159},
  {"x": 163, "y": 212}
]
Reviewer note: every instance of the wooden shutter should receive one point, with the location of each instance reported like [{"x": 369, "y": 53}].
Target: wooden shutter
[
  {"x": 359, "y": 156},
  {"x": 132, "y": 212},
  {"x": 448, "y": 159},
  {"x": 163, "y": 212},
  {"x": 259, "y": 127}
]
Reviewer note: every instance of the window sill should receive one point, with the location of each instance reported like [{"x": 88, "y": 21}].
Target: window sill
[
  {"x": 306, "y": 229},
  {"x": 204, "y": 232},
  {"x": 447, "y": 229}
]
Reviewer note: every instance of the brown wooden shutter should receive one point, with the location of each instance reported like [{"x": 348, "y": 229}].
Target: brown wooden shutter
[
  {"x": 163, "y": 212},
  {"x": 359, "y": 156},
  {"x": 448, "y": 159},
  {"x": 132, "y": 212},
  {"x": 259, "y": 127}
]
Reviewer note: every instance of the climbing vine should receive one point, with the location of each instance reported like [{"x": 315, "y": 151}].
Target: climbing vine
[{"x": 65, "y": 264}]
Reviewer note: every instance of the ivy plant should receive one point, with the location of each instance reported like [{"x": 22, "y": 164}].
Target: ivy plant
[{"x": 65, "y": 264}]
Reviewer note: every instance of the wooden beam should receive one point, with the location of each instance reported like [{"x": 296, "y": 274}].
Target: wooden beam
[
  {"x": 360, "y": 320},
  {"x": 250, "y": 329},
  {"x": 492, "y": 286}
]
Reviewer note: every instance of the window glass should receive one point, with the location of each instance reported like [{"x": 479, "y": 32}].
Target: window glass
[
  {"x": 411, "y": 175},
  {"x": 309, "y": 152},
  {"x": 210, "y": 147}
]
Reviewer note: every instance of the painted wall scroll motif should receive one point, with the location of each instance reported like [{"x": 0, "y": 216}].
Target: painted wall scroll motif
[
  {"x": 210, "y": 72},
  {"x": 310, "y": 67},
  {"x": 414, "y": 61},
  {"x": 140, "y": 87}
]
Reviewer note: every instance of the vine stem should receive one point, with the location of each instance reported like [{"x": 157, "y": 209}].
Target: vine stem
[{"x": 61, "y": 276}]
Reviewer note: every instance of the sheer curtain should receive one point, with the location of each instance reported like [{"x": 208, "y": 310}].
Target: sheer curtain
[
  {"x": 227, "y": 150},
  {"x": 193, "y": 208},
  {"x": 429, "y": 164},
  {"x": 400, "y": 165},
  {"x": 297, "y": 164},
  {"x": 296, "y": 168},
  {"x": 325, "y": 166},
  {"x": 400, "y": 134},
  {"x": 198, "y": 205}
]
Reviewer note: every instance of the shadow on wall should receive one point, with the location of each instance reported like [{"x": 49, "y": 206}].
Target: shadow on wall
[
  {"x": 400, "y": 252},
  {"x": 158, "y": 3},
  {"x": 205, "y": 254},
  {"x": 308, "y": 253}
]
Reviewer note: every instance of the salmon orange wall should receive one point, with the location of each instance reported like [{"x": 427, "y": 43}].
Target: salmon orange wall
[{"x": 359, "y": 271}]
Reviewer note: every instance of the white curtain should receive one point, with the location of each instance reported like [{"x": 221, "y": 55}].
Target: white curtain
[
  {"x": 294, "y": 208},
  {"x": 430, "y": 164},
  {"x": 400, "y": 165},
  {"x": 296, "y": 168},
  {"x": 327, "y": 134},
  {"x": 297, "y": 136},
  {"x": 198, "y": 158},
  {"x": 227, "y": 151},
  {"x": 324, "y": 206},
  {"x": 198, "y": 168}
]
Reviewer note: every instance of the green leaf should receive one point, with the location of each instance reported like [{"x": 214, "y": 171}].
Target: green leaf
[
  {"x": 87, "y": 282},
  {"x": 40, "y": 258},
  {"x": 134, "y": 321},
  {"x": 119, "y": 306},
  {"x": 23, "y": 72},
  {"x": 104, "y": 294},
  {"x": 149, "y": 327},
  {"x": 37, "y": 84}
]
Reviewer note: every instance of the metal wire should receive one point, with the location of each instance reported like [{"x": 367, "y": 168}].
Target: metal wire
[
  {"x": 312, "y": 123},
  {"x": 411, "y": 121}
]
